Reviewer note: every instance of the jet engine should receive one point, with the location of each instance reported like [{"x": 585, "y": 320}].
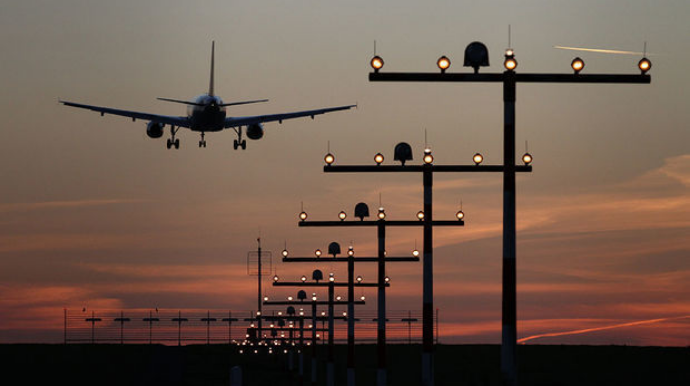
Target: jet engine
[
  {"x": 255, "y": 131},
  {"x": 154, "y": 129}
]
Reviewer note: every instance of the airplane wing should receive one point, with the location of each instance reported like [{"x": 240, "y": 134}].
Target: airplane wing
[
  {"x": 166, "y": 119},
  {"x": 244, "y": 121}
]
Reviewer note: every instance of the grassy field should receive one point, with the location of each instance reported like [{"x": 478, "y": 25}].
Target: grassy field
[{"x": 455, "y": 365}]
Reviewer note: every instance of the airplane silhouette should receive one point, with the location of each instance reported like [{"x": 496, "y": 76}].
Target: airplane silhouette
[{"x": 207, "y": 113}]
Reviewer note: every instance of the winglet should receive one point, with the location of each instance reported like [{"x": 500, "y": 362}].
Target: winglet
[{"x": 210, "y": 85}]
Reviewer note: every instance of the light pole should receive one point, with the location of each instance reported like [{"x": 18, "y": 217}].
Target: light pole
[
  {"x": 381, "y": 223},
  {"x": 476, "y": 56},
  {"x": 317, "y": 276},
  {"x": 334, "y": 250}
]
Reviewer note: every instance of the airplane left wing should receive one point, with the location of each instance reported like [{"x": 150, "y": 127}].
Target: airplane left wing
[
  {"x": 245, "y": 121},
  {"x": 165, "y": 119}
]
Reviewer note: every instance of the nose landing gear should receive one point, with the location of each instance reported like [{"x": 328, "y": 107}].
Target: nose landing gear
[{"x": 202, "y": 143}]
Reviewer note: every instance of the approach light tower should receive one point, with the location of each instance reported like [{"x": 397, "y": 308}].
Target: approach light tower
[{"x": 477, "y": 56}]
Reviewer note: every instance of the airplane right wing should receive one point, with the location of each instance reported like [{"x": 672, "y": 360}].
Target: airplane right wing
[
  {"x": 165, "y": 119},
  {"x": 245, "y": 121}
]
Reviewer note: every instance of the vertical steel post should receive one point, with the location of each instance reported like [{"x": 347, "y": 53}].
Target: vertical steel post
[
  {"x": 330, "y": 367},
  {"x": 65, "y": 311},
  {"x": 351, "y": 320},
  {"x": 313, "y": 343},
  {"x": 259, "y": 300},
  {"x": 381, "y": 332},
  {"x": 428, "y": 283},
  {"x": 509, "y": 319},
  {"x": 301, "y": 349}
]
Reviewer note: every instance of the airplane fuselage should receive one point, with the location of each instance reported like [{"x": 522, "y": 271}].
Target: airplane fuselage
[{"x": 208, "y": 114}]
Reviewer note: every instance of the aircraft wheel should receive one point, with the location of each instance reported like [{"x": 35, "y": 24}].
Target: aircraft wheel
[
  {"x": 235, "y": 144},
  {"x": 169, "y": 143},
  {"x": 177, "y": 144},
  {"x": 244, "y": 145},
  {"x": 200, "y": 143}
]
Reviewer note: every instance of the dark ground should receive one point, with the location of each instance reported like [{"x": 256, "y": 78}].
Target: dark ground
[{"x": 455, "y": 365}]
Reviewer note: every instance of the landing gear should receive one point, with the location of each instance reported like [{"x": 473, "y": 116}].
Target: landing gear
[
  {"x": 242, "y": 144},
  {"x": 239, "y": 142},
  {"x": 202, "y": 143},
  {"x": 172, "y": 141}
]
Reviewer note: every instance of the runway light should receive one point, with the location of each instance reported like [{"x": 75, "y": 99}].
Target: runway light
[
  {"x": 351, "y": 251},
  {"x": 317, "y": 253},
  {"x": 527, "y": 158},
  {"x": 460, "y": 215},
  {"x": 428, "y": 158},
  {"x": 342, "y": 215},
  {"x": 382, "y": 214},
  {"x": 378, "y": 158},
  {"x": 477, "y": 158},
  {"x": 265, "y": 299},
  {"x": 362, "y": 297},
  {"x": 359, "y": 279},
  {"x": 577, "y": 64},
  {"x": 313, "y": 297},
  {"x": 644, "y": 65},
  {"x": 329, "y": 158},
  {"x": 510, "y": 63},
  {"x": 303, "y": 216},
  {"x": 344, "y": 313},
  {"x": 275, "y": 278},
  {"x": 331, "y": 277},
  {"x": 387, "y": 279},
  {"x": 415, "y": 253},
  {"x": 376, "y": 63},
  {"x": 285, "y": 253},
  {"x": 304, "y": 278},
  {"x": 443, "y": 63},
  {"x": 338, "y": 298},
  {"x": 420, "y": 215},
  {"x": 289, "y": 298}
]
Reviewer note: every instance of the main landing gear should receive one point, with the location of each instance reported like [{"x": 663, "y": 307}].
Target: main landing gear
[
  {"x": 202, "y": 143},
  {"x": 172, "y": 141},
  {"x": 239, "y": 142}
]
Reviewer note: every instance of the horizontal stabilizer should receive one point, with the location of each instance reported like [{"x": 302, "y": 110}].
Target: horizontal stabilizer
[
  {"x": 180, "y": 101},
  {"x": 244, "y": 103}
]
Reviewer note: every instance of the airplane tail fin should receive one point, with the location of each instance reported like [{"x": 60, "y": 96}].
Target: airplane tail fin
[{"x": 210, "y": 85}]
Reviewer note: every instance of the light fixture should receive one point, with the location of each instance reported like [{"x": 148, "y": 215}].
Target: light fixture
[
  {"x": 460, "y": 215},
  {"x": 331, "y": 277},
  {"x": 362, "y": 297},
  {"x": 527, "y": 158},
  {"x": 313, "y": 296},
  {"x": 342, "y": 215},
  {"x": 351, "y": 251},
  {"x": 477, "y": 158},
  {"x": 577, "y": 64},
  {"x": 420, "y": 215},
  {"x": 359, "y": 279},
  {"x": 338, "y": 298},
  {"x": 378, "y": 158},
  {"x": 376, "y": 63},
  {"x": 329, "y": 158},
  {"x": 275, "y": 278},
  {"x": 443, "y": 63},
  {"x": 382, "y": 214},
  {"x": 644, "y": 65},
  {"x": 285, "y": 253},
  {"x": 415, "y": 253},
  {"x": 290, "y": 298},
  {"x": 265, "y": 299},
  {"x": 304, "y": 278},
  {"x": 510, "y": 63},
  {"x": 317, "y": 253},
  {"x": 303, "y": 216},
  {"x": 387, "y": 279},
  {"x": 428, "y": 158}
]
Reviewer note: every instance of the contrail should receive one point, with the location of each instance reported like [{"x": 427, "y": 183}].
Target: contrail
[
  {"x": 601, "y": 50},
  {"x": 586, "y": 330}
]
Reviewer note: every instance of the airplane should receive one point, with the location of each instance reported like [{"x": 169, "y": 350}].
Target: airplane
[{"x": 207, "y": 113}]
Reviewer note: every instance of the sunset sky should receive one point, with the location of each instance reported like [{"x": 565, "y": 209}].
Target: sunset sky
[{"x": 95, "y": 214}]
